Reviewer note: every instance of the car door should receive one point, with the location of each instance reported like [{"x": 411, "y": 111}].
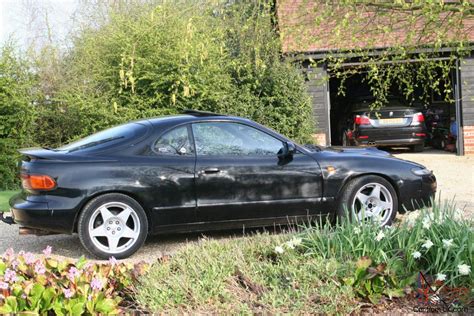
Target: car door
[
  {"x": 170, "y": 173},
  {"x": 239, "y": 175}
]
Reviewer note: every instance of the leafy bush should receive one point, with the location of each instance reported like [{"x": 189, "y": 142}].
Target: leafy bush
[
  {"x": 438, "y": 242},
  {"x": 16, "y": 113},
  {"x": 47, "y": 285},
  {"x": 148, "y": 61}
]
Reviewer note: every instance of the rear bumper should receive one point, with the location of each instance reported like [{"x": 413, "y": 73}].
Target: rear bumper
[
  {"x": 390, "y": 136},
  {"x": 40, "y": 216},
  {"x": 390, "y": 142}
]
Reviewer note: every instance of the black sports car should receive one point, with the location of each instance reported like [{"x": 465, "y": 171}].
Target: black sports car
[{"x": 202, "y": 171}]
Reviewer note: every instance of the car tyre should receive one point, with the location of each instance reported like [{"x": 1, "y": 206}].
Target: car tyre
[
  {"x": 418, "y": 148},
  {"x": 112, "y": 225},
  {"x": 375, "y": 193}
]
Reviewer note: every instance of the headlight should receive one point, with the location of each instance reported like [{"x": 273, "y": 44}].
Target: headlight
[{"x": 421, "y": 171}]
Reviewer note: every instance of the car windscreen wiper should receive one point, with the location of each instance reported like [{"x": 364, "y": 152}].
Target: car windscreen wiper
[{"x": 98, "y": 142}]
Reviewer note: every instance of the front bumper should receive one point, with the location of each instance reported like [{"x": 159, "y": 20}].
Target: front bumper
[
  {"x": 423, "y": 197},
  {"x": 38, "y": 215}
]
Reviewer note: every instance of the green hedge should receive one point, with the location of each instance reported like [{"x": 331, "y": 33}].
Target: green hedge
[
  {"x": 17, "y": 114},
  {"x": 146, "y": 61}
]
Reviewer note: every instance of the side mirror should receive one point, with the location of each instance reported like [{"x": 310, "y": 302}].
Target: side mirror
[{"x": 287, "y": 150}]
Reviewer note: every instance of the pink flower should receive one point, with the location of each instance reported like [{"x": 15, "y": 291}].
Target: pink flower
[
  {"x": 3, "y": 286},
  {"x": 73, "y": 273},
  {"x": 10, "y": 276},
  {"x": 39, "y": 268},
  {"x": 47, "y": 251},
  {"x": 15, "y": 264},
  {"x": 9, "y": 253},
  {"x": 29, "y": 258},
  {"x": 96, "y": 284},
  {"x": 21, "y": 253},
  {"x": 68, "y": 293},
  {"x": 23, "y": 296},
  {"x": 113, "y": 261}
]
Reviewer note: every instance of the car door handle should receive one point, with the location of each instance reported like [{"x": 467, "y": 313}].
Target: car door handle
[{"x": 210, "y": 170}]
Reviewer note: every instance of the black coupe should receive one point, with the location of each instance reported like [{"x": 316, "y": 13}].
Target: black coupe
[{"x": 202, "y": 171}]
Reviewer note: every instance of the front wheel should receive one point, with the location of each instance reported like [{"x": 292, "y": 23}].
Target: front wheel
[
  {"x": 112, "y": 225},
  {"x": 369, "y": 198}
]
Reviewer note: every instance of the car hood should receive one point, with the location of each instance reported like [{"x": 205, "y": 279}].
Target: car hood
[
  {"x": 356, "y": 153},
  {"x": 365, "y": 151}
]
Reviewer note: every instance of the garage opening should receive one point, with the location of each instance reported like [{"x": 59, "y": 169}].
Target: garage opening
[{"x": 401, "y": 125}]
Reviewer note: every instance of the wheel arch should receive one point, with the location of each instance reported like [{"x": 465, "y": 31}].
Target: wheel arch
[
  {"x": 360, "y": 175},
  {"x": 96, "y": 194}
]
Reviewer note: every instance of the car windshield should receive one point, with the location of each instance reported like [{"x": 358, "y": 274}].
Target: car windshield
[{"x": 121, "y": 132}]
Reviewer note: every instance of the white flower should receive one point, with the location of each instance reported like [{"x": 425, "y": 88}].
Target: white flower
[
  {"x": 416, "y": 254},
  {"x": 279, "y": 249},
  {"x": 295, "y": 242},
  {"x": 458, "y": 215},
  {"x": 357, "y": 231},
  {"x": 464, "y": 269},
  {"x": 428, "y": 244},
  {"x": 440, "y": 277},
  {"x": 380, "y": 236},
  {"x": 447, "y": 243},
  {"x": 411, "y": 218},
  {"x": 426, "y": 222}
]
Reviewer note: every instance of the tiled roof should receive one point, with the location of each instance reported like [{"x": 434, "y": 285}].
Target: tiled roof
[{"x": 310, "y": 26}]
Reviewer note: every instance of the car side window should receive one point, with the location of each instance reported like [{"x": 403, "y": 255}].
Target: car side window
[
  {"x": 234, "y": 139},
  {"x": 174, "y": 143}
]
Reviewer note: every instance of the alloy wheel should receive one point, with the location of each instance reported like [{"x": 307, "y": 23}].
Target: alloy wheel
[
  {"x": 114, "y": 227},
  {"x": 373, "y": 201}
]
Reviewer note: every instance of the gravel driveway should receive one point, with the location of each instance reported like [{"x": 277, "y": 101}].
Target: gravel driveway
[{"x": 455, "y": 179}]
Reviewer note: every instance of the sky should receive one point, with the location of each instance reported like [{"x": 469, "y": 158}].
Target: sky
[{"x": 24, "y": 20}]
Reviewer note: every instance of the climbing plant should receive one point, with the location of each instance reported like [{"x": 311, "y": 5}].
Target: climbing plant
[{"x": 378, "y": 37}]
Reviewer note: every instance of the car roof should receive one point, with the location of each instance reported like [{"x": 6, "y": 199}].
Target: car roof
[{"x": 187, "y": 118}]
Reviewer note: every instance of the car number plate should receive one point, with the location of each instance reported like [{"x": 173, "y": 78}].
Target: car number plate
[{"x": 391, "y": 121}]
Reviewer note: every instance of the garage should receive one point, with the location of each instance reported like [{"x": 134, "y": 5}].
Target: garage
[
  {"x": 319, "y": 36},
  {"x": 426, "y": 120}
]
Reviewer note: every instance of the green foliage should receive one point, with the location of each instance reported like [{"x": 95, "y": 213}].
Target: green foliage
[
  {"x": 16, "y": 113},
  {"x": 245, "y": 276},
  {"x": 435, "y": 242},
  {"x": 157, "y": 60},
  {"x": 383, "y": 35},
  {"x": 4, "y": 198},
  {"x": 372, "y": 282},
  {"x": 46, "y": 285}
]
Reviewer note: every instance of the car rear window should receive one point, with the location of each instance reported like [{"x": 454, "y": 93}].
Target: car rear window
[{"x": 114, "y": 135}]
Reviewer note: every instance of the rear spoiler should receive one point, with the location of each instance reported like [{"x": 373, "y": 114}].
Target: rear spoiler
[{"x": 31, "y": 154}]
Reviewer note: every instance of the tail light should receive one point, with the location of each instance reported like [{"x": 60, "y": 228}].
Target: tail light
[
  {"x": 37, "y": 182},
  {"x": 418, "y": 118},
  {"x": 362, "y": 120}
]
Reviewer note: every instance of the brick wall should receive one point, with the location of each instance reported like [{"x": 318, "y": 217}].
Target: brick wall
[{"x": 468, "y": 140}]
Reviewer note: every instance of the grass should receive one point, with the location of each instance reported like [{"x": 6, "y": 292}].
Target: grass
[
  {"x": 325, "y": 269},
  {"x": 245, "y": 276},
  {"x": 4, "y": 198}
]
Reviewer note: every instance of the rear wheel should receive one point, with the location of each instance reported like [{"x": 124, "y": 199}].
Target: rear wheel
[
  {"x": 418, "y": 148},
  {"x": 369, "y": 198},
  {"x": 112, "y": 225}
]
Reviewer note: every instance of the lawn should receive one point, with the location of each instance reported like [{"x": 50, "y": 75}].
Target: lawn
[{"x": 4, "y": 197}]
